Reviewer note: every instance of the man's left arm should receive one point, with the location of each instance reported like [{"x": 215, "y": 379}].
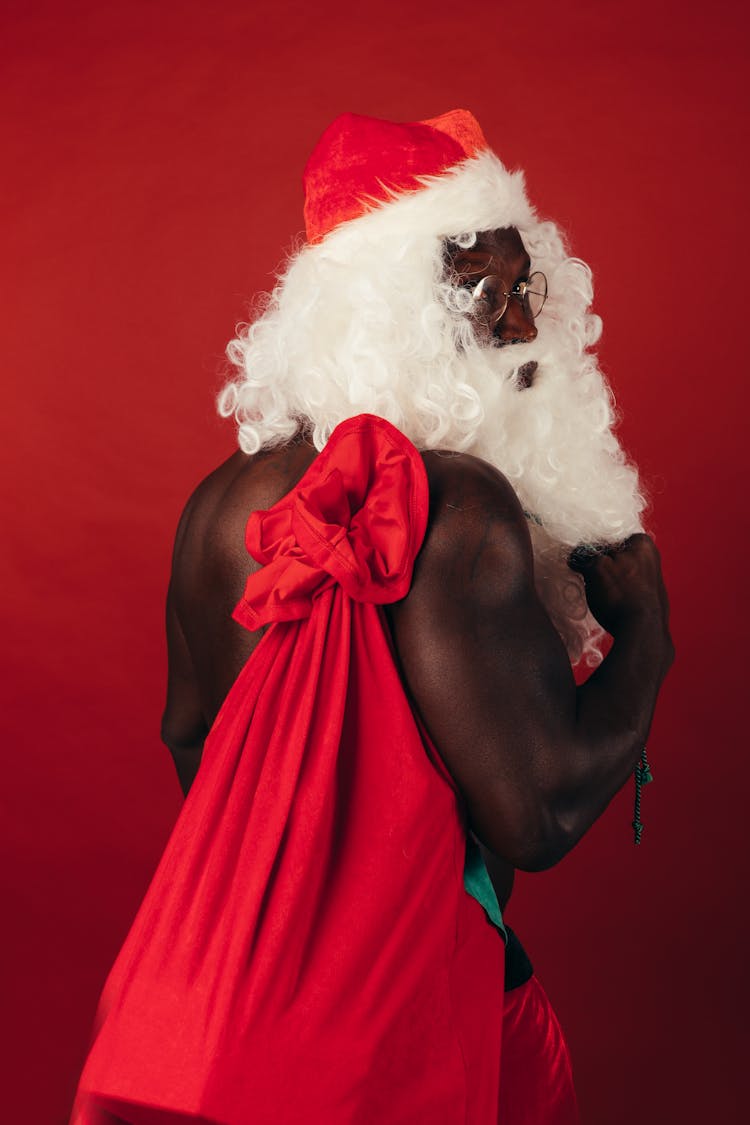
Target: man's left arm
[{"x": 183, "y": 727}]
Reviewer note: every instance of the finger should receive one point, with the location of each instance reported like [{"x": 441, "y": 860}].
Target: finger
[{"x": 583, "y": 557}]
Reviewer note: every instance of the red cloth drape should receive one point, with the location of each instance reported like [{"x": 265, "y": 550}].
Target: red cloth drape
[
  {"x": 536, "y": 1080},
  {"x": 306, "y": 951}
]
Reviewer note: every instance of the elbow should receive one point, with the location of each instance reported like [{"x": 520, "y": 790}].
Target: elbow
[
  {"x": 180, "y": 735},
  {"x": 186, "y": 754},
  {"x": 543, "y": 856},
  {"x": 564, "y": 821},
  {"x": 541, "y": 851},
  {"x": 533, "y": 841},
  {"x": 169, "y": 736}
]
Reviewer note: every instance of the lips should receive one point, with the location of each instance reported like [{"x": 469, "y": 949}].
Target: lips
[{"x": 525, "y": 374}]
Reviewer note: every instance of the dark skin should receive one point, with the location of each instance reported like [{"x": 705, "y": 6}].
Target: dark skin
[
  {"x": 501, "y": 253},
  {"x": 536, "y": 758}
]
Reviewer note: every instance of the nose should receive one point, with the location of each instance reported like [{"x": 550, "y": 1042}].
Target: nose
[{"x": 515, "y": 326}]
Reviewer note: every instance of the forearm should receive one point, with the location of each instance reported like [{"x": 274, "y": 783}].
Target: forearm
[{"x": 614, "y": 711}]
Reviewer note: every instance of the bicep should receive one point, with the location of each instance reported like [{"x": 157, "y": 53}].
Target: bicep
[{"x": 489, "y": 676}]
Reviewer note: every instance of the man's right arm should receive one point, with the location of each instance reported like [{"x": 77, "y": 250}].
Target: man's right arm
[{"x": 536, "y": 759}]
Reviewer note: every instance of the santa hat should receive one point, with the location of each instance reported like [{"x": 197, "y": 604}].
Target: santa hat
[{"x": 361, "y": 164}]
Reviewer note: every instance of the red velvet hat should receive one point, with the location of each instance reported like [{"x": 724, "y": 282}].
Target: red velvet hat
[{"x": 359, "y": 161}]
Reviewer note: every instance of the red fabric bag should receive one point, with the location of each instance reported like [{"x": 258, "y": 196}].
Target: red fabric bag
[{"x": 306, "y": 951}]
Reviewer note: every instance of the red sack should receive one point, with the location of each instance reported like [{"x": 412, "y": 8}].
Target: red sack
[{"x": 306, "y": 951}]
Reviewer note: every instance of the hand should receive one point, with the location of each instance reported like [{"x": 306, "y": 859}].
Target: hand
[{"x": 624, "y": 584}]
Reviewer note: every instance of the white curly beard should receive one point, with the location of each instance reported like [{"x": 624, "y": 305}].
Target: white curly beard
[
  {"x": 365, "y": 322},
  {"x": 550, "y": 433}
]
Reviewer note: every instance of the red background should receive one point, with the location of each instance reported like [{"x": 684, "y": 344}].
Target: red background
[{"x": 153, "y": 155}]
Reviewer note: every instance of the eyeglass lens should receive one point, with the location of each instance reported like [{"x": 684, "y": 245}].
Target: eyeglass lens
[
  {"x": 536, "y": 294},
  {"x": 491, "y": 300}
]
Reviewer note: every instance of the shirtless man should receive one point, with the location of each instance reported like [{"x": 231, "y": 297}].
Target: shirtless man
[
  {"x": 486, "y": 635},
  {"x": 537, "y": 759}
]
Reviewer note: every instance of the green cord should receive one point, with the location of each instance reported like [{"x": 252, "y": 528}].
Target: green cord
[{"x": 642, "y": 775}]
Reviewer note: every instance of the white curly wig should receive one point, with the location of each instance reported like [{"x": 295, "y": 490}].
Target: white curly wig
[{"x": 368, "y": 321}]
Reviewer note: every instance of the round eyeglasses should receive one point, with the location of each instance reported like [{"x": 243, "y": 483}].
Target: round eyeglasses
[{"x": 489, "y": 299}]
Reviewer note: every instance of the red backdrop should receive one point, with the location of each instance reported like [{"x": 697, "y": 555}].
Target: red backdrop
[{"x": 153, "y": 155}]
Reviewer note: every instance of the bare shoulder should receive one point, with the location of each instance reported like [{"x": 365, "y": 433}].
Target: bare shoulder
[
  {"x": 217, "y": 511},
  {"x": 211, "y": 564},
  {"x": 477, "y": 533},
  {"x": 206, "y": 497},
  {"x": 463, "y": 474}
]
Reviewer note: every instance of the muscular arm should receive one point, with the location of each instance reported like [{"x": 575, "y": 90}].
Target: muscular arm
[
  {"x": 536, "y": 759},
  {"x": 184, "y": 727},
  {"x": 210, "y": 566}
]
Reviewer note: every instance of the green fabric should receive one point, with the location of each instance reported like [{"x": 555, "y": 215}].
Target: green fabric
[{"x": 478, "y": 884}]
